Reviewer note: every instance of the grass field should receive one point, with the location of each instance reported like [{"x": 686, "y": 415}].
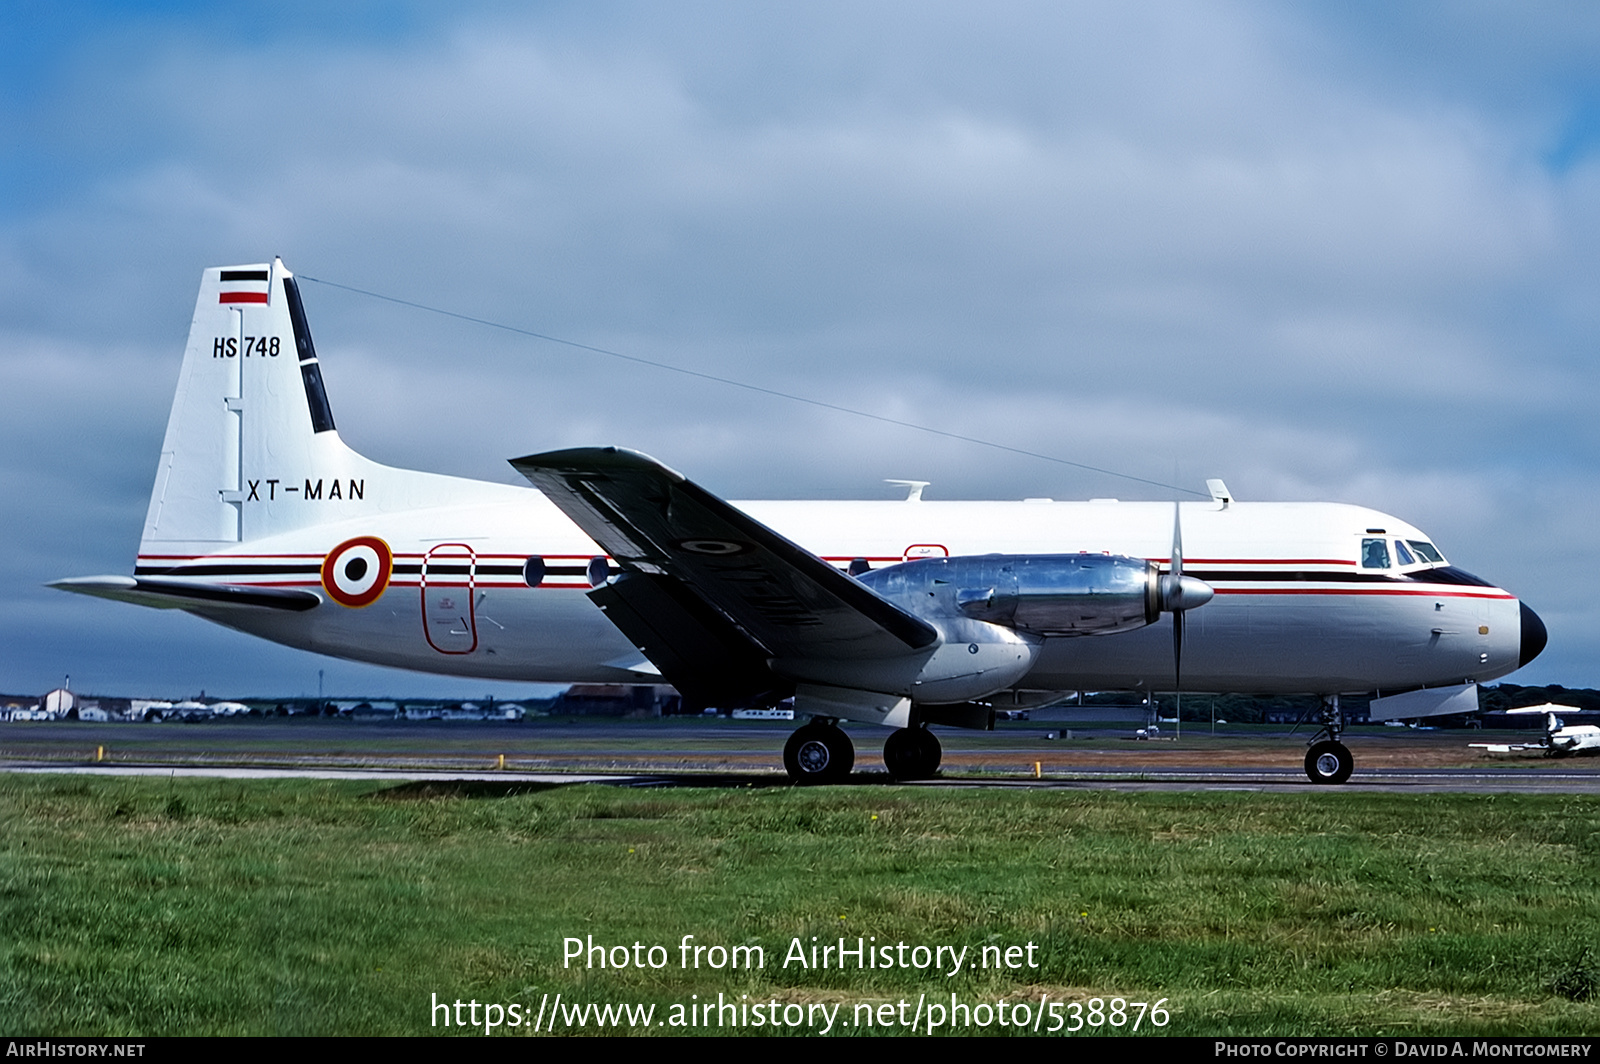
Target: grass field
[{"x": 151, "y": 907}]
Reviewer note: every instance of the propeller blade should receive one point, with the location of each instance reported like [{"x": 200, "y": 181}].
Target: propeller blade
[
  {"x": 1177, "y": 543},
  {"x": 1177, "y": 650},
  {"x": 1177, "y": 611},
  {"x": 1179, "y": 592},
  {"x": 1176, "y": 596}
]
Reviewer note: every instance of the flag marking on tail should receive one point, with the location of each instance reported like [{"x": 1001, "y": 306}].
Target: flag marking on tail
[{"x": 244, "y": 286}]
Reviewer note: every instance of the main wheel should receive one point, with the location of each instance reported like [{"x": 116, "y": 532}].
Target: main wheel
[
  {"x": 818, "y": 753},
  {"x": 932, "y": 754},
  {"x": 912, "y": 754},
  {"x": 1329, "y": 762}
]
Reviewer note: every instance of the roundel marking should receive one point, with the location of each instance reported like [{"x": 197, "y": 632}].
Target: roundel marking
[
  {"x": 716, "y": 548},
  {"x": 356, "y": 572}
]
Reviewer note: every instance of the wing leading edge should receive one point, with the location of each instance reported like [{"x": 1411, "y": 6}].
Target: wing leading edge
[{"x": 709, "y": 594}]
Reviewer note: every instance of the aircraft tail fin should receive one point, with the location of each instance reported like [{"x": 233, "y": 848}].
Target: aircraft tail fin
[{"x": 251, "y": 449}]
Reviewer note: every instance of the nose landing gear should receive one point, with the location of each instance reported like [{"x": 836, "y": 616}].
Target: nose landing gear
[{"x": 1329, "y": 760}]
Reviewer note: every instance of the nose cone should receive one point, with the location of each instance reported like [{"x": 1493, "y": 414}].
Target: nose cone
[{"x": 1534, "y": 636}]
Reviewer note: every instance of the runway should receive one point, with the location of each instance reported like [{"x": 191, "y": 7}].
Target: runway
[
  {"x": 257, "y": 773},
  {"x": 721, "y": 753},
  {"x": 1454, "y": 781}
]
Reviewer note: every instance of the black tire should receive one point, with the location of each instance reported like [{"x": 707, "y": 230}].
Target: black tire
[
  {"x": 900, "y": 753},
  {"x": 818, "y": 753},
  {"x": 912, "y": 754},
  {"x": 932, "y": 753},
  {"x": 1329, "y": 762}
]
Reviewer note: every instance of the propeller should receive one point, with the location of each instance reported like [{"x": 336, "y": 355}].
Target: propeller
[{"x": 1179, "y": 594}]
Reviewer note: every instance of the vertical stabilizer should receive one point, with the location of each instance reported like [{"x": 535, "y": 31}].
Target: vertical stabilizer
[{"x": 251, "y": 449}]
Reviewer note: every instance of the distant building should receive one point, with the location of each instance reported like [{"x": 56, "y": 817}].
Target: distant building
[
  {"x": 490, "y": 710},
  {"x": 614, "y": 700},
  {"x": 58, "y": 704}
]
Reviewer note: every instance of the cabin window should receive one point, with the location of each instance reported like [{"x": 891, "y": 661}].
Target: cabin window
[
  {"x": 1426, "y": 551},
  {"x": 1374, "y": 554},
  {"x": 1403, "y": 555}
]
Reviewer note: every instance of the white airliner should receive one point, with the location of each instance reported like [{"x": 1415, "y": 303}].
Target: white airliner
[
  {"x": 1560, "y": 738},
  {"x": 903, "y": 613}
]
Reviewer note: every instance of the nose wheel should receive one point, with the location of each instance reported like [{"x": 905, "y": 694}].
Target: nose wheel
[
  {"x": 912, "y": 754},
  {"x": 1329, "y": 762},
  {"x": 819, "y": 752}
]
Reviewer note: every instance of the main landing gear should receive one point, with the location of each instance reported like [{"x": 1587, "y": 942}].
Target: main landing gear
[
  {"x": 819, "y": 752},
  {"x": 1328, "y": 760},
  {"x": 912, "y": 754}
]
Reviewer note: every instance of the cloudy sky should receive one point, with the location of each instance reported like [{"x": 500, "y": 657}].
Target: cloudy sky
[{"x": 1326, "y": 251}]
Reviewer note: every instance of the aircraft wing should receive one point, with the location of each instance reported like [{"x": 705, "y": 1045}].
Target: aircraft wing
[
  {"x": 690, "y": 559},
  {"x": 183, "y": 595}
]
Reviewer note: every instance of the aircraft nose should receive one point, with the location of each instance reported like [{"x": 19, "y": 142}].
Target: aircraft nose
[{"x": 1534, "y": 636}]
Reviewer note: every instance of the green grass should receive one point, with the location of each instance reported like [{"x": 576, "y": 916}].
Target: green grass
[{"x": 152, "y": 907}]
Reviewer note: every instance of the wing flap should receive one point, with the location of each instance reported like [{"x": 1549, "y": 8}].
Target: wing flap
[{"x": 697, "y": 650}]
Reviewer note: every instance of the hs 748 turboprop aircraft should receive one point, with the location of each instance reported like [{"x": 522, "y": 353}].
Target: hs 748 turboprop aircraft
[{"x": 904, "y": 613}]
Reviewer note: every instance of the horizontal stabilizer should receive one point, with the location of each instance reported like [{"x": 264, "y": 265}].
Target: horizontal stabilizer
[{"x": 182, "y": 595}]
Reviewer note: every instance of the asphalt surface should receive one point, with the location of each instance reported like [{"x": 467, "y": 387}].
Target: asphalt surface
[
  {"x": 1456, "y": 781},
  {"x": 700, "y": 753}
]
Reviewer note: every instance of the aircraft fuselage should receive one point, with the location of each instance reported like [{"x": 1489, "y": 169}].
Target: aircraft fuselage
[{"x": 1294, "y": 612}]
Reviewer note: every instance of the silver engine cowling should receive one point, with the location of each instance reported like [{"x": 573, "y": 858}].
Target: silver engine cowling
[{"x": 1047, "y": 595}]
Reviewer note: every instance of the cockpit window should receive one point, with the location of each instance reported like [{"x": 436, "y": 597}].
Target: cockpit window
[
  {"x": 1374, "y": 554},
  {"x": 1403, "y": 555},
  {"x": 1425, "y": 550}
]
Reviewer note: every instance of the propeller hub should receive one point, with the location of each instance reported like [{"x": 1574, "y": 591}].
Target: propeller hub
[{"x": 1180, "y": 593}]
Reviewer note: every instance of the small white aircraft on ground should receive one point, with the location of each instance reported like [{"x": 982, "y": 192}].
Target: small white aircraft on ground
[
  {"x": 904, "y": 614},
  {"x": 1560, "y": 739}
]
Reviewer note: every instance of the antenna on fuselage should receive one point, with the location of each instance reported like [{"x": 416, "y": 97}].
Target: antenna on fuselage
[{"x": 914, "y": 488}]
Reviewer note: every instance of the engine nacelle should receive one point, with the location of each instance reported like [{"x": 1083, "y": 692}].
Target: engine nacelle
[
  {"x": 1048, "y": 595},
  {"x": 993, "y": 614}
]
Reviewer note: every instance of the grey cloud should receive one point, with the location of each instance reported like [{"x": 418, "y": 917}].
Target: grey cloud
[{"x": 1182, "y": 240}]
